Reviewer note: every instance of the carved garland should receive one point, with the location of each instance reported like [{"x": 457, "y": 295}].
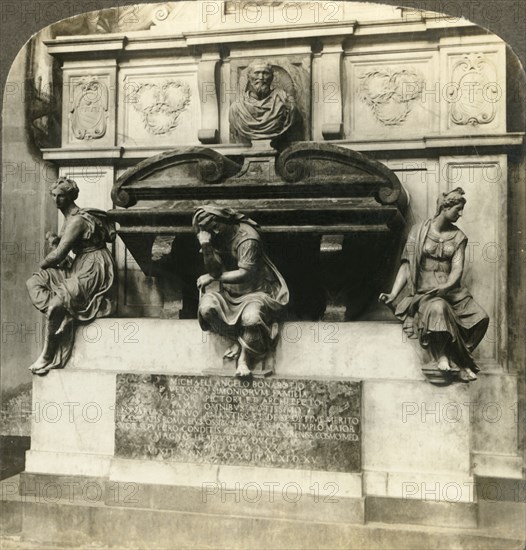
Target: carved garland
[
  {"x": 161, "y": 105},
  {"x": 391, "y": 93}
]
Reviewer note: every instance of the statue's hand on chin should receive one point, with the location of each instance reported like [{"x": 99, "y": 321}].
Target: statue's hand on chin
[{"x": 204, "y": 237}]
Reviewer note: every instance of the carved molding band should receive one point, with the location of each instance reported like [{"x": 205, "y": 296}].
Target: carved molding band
[
  {"x": 89, "y": 114},
  {"x": 474, "y": 99},
  {"x": 390, "y": 94},
  {"x": 161, "y": 105}
]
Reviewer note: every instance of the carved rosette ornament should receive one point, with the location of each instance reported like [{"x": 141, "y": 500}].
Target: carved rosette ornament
[
  {"x": 89, "y": 114},
  {"x": 390, "y": 94},
  {"x": 161, "y": 105},
  {"x": 474, "y": 93}
]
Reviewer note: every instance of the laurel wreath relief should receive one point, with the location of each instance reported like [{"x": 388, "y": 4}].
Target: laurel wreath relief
[
  {"x": 390, "y": 93},
  {"x": 161, "y": 105}
]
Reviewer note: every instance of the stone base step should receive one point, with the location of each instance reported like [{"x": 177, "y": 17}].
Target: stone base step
[{"x": 185, "y": 523}]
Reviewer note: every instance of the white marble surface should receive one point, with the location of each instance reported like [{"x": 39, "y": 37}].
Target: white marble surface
[
  {"x": 73, "y": 412},
  {"x": 223, "y": 477},
  {"x": 418, "y": 440},
  {"x": 341, "y": 350},
  {"x": 411, "y": 426},
  {"x": 62, "y": 463}
]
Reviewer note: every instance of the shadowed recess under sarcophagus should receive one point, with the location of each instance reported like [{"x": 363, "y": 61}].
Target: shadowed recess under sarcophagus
[{"x": 332, "y": 219}]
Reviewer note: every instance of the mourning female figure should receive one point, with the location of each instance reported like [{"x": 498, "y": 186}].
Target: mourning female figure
[
  {"x": 438, "y": 309},
  {"x": 68, "y": 290},
  {"x": 251, "y": 295}
]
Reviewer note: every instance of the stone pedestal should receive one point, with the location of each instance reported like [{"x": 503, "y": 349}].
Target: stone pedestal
[
  {"x": 416, "y": 440},
  {"x": 141, "y": 436}
]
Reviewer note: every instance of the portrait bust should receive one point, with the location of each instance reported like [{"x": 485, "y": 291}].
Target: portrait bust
[{"x": 262, "y": 111}]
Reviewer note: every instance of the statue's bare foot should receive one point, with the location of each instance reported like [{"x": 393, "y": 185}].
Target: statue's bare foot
[
  {"x": 242, "y": 370},
  {"x": 45, "y": 370},
  {"x": 66, "y": 322},
  {"x": 443, "y": 364},
  {"x": 39, "y": 364},
  {"x": 233, "y": 351},
  {"x": 467, "y": 375}
]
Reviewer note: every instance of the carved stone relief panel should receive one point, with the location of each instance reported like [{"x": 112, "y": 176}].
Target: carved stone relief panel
[
  {"x": 390, "y": 93},
  {"x": 387, "y": 95},
  {"x": 159, "y": 107},
  {"x": 161, "y": 104},
  {"x": 291, "y": 75},
  {"x": 88, "y": 114},
  {"x": 473, "y": 89},
  {"x": 478, "y": 71}
]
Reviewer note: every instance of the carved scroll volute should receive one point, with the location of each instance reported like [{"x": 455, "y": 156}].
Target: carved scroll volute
[
  {"x": 302, "y": 162},
  {"x": 120, "y": 197},
  {"x": 206, "y": 165}
]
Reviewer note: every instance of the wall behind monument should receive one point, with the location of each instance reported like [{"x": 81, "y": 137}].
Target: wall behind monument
[{"x": 26, "y": 216}]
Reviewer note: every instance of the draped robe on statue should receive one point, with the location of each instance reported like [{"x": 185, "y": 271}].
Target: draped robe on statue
[
  {"x": 430, "y": 259},
  {"x": 266, "y": 118},
  {"x": 258, "y": 301},
  {"x": 82, "y": 285}
]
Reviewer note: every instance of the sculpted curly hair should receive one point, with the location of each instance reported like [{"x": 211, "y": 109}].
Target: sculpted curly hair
[
  {"x": 451, "y": 198},
  {"x": 68, "y": 185}
]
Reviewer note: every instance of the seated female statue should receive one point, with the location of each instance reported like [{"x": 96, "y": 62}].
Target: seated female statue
[
  {"x": 67, "y": 290},
  {"x": 438, "y": 310}
]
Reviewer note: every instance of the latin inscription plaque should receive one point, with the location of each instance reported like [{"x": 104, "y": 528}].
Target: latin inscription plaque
[{"x": 274, "y": 422}]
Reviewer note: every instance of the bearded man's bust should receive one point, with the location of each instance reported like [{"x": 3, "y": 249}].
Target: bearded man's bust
[{"x": 262, "y": 112}]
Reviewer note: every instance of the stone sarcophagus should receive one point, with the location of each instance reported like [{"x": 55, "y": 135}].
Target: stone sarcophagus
[{"x": 332, "y": 219}]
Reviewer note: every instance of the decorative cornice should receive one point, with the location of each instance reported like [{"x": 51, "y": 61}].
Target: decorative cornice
[
  {"x": 421, "y": 144},
  {"x": 157, "y": 38}
]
